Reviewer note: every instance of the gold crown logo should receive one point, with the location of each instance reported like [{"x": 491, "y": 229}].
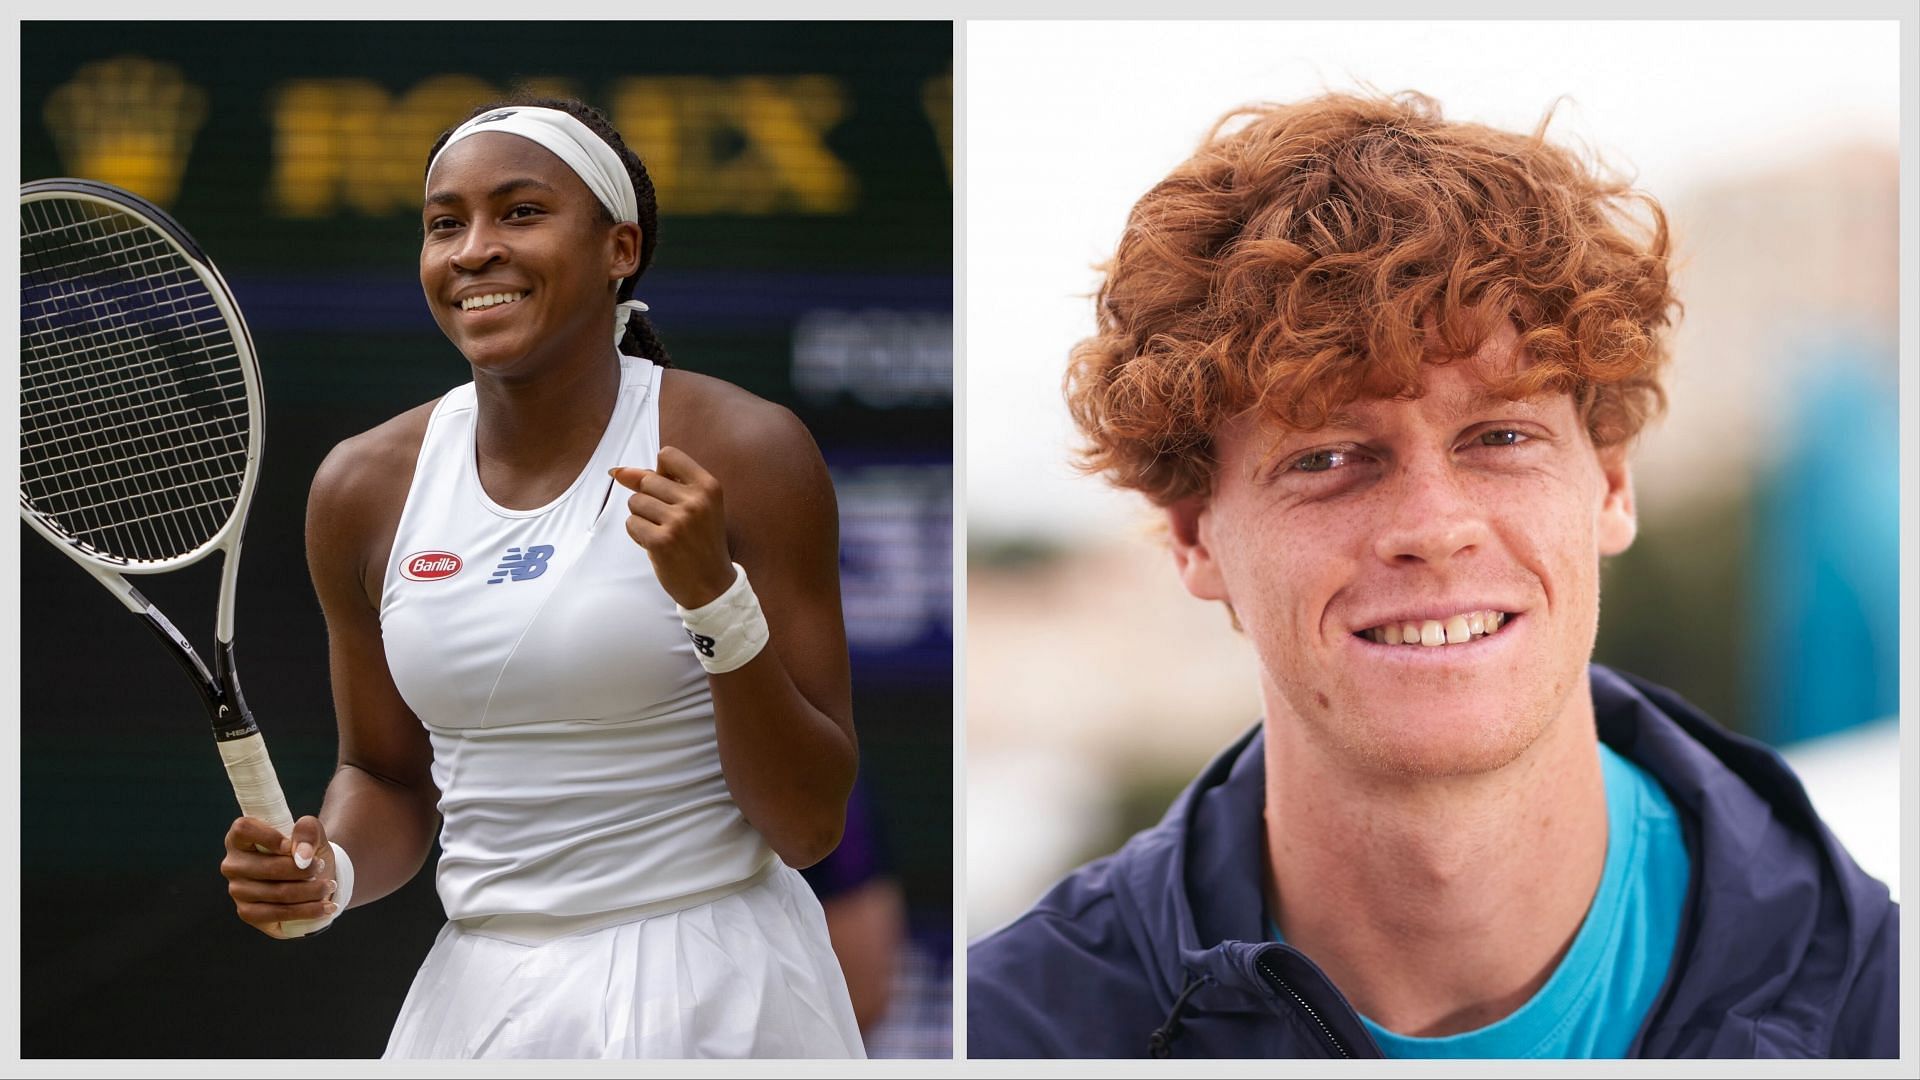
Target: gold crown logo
[{"x": 128, "y": 121}]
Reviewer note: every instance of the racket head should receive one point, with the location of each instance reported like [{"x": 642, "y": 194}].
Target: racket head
[{"x": 140, "y": 400}]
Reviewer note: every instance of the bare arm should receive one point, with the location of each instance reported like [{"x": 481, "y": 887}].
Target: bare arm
[
  {"x": 381, "y": 803},
  {"x": 759, "y": 495}
]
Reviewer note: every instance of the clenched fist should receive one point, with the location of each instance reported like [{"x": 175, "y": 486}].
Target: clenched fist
[
  {"x": 274, "y": 878},
  {"x": 676, "y": 513}
]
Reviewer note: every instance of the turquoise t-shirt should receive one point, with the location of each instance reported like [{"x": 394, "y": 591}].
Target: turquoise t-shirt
[{"x": 1595, "y": 1001}]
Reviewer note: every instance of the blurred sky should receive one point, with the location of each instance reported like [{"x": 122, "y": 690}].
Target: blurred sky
[{"x": 1069, "y": 123}]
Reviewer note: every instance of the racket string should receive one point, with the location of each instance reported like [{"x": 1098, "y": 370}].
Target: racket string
[
  {"x": 47, "y": 416},
  {"x": 135, "y": 424},
  {"x": 72, "y": 461},
  {"x": 120, "y": 522},
  {"x": 166, "y": 286},
  {"x": 44, "y": 481},
  {"x": 92, "y": 463},
  {"x": 108, "y": 309},
  {"x": 130, "y": 251}
]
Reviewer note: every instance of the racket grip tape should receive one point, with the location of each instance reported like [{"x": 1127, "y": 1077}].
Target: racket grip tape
[{"x": 251, "y": 772}]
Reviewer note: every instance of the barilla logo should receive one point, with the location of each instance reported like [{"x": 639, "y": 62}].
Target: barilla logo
[{"x": 430, "y": 565}]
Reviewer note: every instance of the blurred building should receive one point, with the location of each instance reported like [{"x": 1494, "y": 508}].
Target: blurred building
[
  {"x": 1096, "y": 686},
  {"x": 1773, "y": 265},
  {"x": 1781, "y": 448}
]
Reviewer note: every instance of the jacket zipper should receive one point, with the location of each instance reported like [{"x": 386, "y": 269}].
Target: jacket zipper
[{"x": 1274, "y": 977}]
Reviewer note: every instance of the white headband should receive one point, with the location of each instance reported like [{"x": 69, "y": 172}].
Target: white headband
[{"x": 587, "y": 154}]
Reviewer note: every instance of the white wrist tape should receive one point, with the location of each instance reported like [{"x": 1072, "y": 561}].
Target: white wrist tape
[
  {"x": 729, "y": 630},
  {"x": 342, "y": 888},
  {"x": 342, "y": 879},
  {"x": 342, "y": 892}
]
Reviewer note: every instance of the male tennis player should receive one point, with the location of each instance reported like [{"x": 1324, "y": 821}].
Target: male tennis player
[{"x": 1381, "y": 371}]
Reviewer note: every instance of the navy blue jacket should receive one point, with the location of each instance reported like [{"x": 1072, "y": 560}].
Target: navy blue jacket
[{"x": 1788, "y": 948}]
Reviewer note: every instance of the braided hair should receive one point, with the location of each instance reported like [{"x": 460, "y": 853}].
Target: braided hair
[{"x": 640, "y": 339}]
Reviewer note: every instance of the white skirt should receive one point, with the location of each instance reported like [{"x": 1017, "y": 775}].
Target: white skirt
[{"x": 750, "y": 974}]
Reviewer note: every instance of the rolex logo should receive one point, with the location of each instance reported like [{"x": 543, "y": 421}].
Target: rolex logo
[{"x": 128, "y": 121}]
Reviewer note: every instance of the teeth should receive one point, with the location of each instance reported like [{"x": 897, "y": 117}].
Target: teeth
[
  {"x": 474, "y": 302},
  {"x": 1433, "y": 633}
]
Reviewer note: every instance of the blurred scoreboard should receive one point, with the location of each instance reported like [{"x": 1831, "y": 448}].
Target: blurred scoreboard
[{"x": 800, "y": 147}]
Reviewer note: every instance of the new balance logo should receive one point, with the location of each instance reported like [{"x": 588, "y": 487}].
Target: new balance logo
[
  {"x": 522, "y": 565},
  {"x": 701, "y": 642}
]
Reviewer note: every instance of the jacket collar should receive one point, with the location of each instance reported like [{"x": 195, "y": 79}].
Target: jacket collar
[
  {"x": 1766, "y": 870},
  {"x": 1190, "y": 890}
]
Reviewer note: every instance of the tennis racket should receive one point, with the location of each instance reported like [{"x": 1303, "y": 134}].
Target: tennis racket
[{"x": 140, "y": 428}]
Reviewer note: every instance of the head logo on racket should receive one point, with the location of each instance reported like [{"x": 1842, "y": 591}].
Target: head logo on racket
[{"x": 430, "y": 565}]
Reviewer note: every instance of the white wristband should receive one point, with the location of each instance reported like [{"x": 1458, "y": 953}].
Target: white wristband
[
  {"x": 343, "y": 882},
  {"x": 729, "y": 630}
]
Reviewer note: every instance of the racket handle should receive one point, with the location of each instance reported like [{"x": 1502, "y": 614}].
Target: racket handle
[{"x": 251, "y": 772}]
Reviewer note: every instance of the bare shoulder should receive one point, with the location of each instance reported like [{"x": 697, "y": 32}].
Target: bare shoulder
[
  {"x": 363, "y": 470},
  {"x": 354, "y": 504},
  {"x": 777, "y": 489},
  {"x": 734, "y": 433}
]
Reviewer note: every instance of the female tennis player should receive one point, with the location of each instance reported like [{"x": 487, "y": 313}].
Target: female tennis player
[{"x": 584, "y": 614}]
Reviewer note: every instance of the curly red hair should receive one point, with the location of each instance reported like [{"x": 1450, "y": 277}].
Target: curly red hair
[{"x": 1324, "y": 250}]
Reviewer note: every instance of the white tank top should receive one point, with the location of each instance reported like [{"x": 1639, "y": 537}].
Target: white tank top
[{"x": 572, "y": 728}]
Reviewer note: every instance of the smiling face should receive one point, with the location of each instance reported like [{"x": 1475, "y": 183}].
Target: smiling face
[
  {"x": 1433, "y": 514},
  {"x": 518, "y": 261}
]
